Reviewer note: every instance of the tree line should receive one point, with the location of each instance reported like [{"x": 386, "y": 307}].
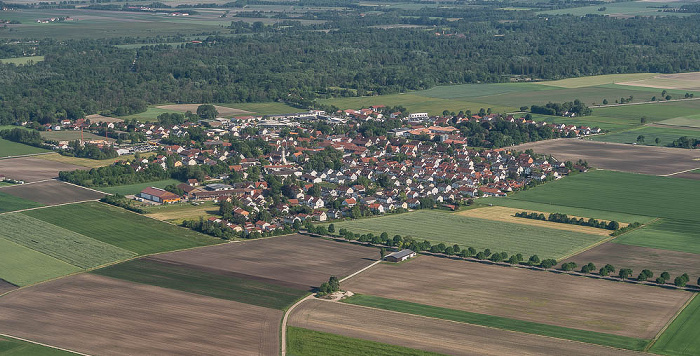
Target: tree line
[{"x": 565, "y": 219}]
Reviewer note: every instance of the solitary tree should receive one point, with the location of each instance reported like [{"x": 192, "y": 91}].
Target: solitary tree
[
  {"x": 331, "y": 228},
  {"x": 640, "y": 139},
  {"x": 657, "y": 141},
  {"x": 207, "y": 111},
  {"x": 625, "y": 273},
  {"x": 643, "y": 120},
  {"x": 665, "y": 275}
]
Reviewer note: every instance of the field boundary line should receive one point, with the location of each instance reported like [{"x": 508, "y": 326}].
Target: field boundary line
[
  {"x": 673, "y": 174},
  {"x": 27, "y": 155},
  {"x": 670, "y": 321},
  {"x": 27, "y": 183},
  {"x": 609, "y": 239},
  {"x": 80, "y": 186},
  {"x": 49, "y": 206},
  {"x": 45, "y": 345},
  {"x": 479, "y": 326}
]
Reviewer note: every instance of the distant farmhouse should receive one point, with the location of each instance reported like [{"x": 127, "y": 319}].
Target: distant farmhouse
[{"x": 400, "y": 256}]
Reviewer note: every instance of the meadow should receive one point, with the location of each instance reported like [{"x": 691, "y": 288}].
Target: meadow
[
  {"x": 12, "y": 203},
  {"x": 71, "y": 135},
  {"x": 9, "y": 148},
  {"x": 666, "y": 135},
  {"x": 210, "y": 283},
  {"x": 498, "y": 322},
  {"x": 474, "y": 232},
  {"x": 22, "y": 60},
  {"x": 65, "y": 245},
  {"x": 675, "y": 235},
  {"x": 122, "y": 228},
  {"x": 138, "y": 187},
  {"x": 305, "y": 342},
  {"x": 22, "y": 266},
  {"x": 15, "y": 347},
  {"x": 682, "y": 338}
]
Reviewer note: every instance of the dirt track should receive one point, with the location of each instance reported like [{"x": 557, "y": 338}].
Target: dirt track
[
  {"x": 52, "y": 192},
  {"x": 431, "y": 334},
  {"x": 33, "y": 169},
  {"x": 619, "y": 157},
  {"x": 544, "y": 297},
  {"x": 295, "y": 259},
  {"x": 103, "y": 316}
]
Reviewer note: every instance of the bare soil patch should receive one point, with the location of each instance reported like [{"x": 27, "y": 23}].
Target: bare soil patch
[
  {"x": 688, "y": 81},
  {"x": 52, "y": 192},
  {"x": 33, "y": 169},
  {"x": 297, "y": 259},
  {"x": 500, "y": 213},
  {"x": 97, "y": 118},
  {"x": 104, "y": 316},
  {"x": 576, "y": 302},
  {"x": 434, "y": 335},
  {"x": 638, "y": 258},
  {"x": 223, "y": 110},
  {"x": 619, "y": 157}
]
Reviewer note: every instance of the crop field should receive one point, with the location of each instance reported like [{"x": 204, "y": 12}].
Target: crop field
[
  {"x": 619, "y": 157},
  {"x": 6, "y": 286},
  {"x": 212, "y": 283},
  {"x": 87, "y": 162},
  {"x": 682, "y": 338},
  {"x": 104, "y": 316},
  {"x": 305, "y": 342},
  {"x": 138, "y": 187},
  {"x": 65, "y": 245},
  {"x": 72, "y": 135},
  {"x": 499, "y": 213},
  {"x": 475, "y": 232},
  {"x": 178, "y": 212},
  {"x": 666, "y": 135},
  {"x": 673, "y": 235},
  {"x": 22, "y": 60},
  {"x": 52, "y": 192},
  {"x": 620, "y": 192},
  {"x": 11, "y": 203},
  {"x": 429, "y": 334},
  {"x": 122, "y": 228},
  {"x": 22, "y": 266},
  {"x": 596, "y": 80},
  {"x": 293, "y": 259},
  {"x": 31, "y": 169},
  {"x": 527, "y": 295},
  {"x": 222, "y": 110},
  {"x": 624, "y": 10},
  {"x": 14, "y": 347},
  {"x": 638, "y": 258},
  {"x": 654, "y": 112},
  {"x": 692, "y": 121},
  {"x": 498, "y": 322},
  {"x": 10, "y": 148},
  {"x": 685, "y": 81}
]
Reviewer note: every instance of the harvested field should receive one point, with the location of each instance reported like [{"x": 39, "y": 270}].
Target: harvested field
[
  {"x": 183, "y": 211},
  {"x": 686, "y": 81},
  {"x": 87, "y": 162},
  {"x": 52, "y": 192},
  {"x": 431, "y": 334},
  {"x": 223, "y": 111},
  {"x": 97, "y": 118},
  {"x": 104, "y": 316},
  {"x": 619, "y": 157},
  {"x": 302, "y": 260},
  {"x": 500, "y": 213},
  {"x": 33, "y": 169},
  {"x": 638, "y": 258},
  {"x": 541, "y": 297}
]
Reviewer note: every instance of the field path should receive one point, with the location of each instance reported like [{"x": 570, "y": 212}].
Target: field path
[{"x": 289, "y": 310}]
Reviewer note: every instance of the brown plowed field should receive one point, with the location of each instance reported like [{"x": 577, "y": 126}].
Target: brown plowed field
[
  {"x": 298, "y": 259},
  {"x": 538, "y": 296},
  {"x": 6, "y": 286},
  {"x": 618, "y": 157},
  {"x": 638, "y": 258},
  {"x": 104, "y": 316},
  {"x": 33, "y": 169},
  {"x": 52, "y": 192},
  {"x": 432, "y": 334}
]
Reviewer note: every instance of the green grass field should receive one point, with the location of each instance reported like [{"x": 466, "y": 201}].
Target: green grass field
[
  {"x": 71, "y": 135},
  {"x": 682, "y": 338},
  {"x": 11, "y": 203},
  {"x": 136, "y": 188},
  {"x": 22, "y": 266},
  {"x": 632, "y": 8},
  {"x": 478, "y": 233},
  {"x": 190, "y": 280},
  {"x": 666, "y": 234},
  {"x": 22, "y": 60},
  {"x": 596, "y": 80},
  {"x": 65, "y": 245},
  {"x": 499, "y": 322},
  {"x": 665, "y": 135},
  {"x": 305, "y": 342},
  {"x": 9, "y": 148},
  {"x": 654, "y": 112},
  {"x": 14, "y": 347},
  {"x": 122, "y": 228}
]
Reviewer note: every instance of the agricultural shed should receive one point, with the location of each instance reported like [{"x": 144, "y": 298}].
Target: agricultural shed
[
  {"x": 399, "y": 256},
  {"x": 159, "y": 195}
]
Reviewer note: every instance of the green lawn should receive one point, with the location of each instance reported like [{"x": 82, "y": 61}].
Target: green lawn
[
  {"x": 620, "y": 192},
  {"x": 11, "y": 203},
  {"x": 22, "y": 60},
  {"x": 60, "y": 243},
  {"x": 499, "y": 322},
  {"x": 682, "y": 338},
  {"x": 513, "y": 238},
  {"x": 305, "y": 342},
  {"x": 221, "y": 286},
  {"x": 665, "y": 135},
  {"x": 122, "y": 228},
  {"x": 14, "y": 347},
  {"x": 9, "y": 148},
  {"x": 666, "y": 234},
  {"x": 138, "y": 187},
  {"x": 22, "y": 266}
]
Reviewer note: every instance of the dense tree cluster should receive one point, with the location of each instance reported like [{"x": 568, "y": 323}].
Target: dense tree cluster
[{"x": 571, "y": 108}]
